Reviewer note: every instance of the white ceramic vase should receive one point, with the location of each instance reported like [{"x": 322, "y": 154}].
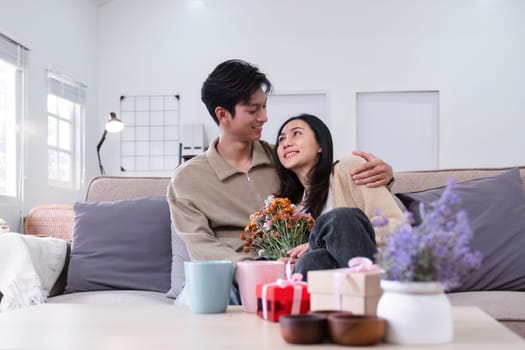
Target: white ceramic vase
[{"x": 416, "y": 312}]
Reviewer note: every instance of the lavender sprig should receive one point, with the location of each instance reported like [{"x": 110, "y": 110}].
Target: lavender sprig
[{"x": 436, "y": 250}]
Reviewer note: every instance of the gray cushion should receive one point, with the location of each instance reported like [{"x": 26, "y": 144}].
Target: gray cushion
[
  {"x": 180, "y": 255},
  {"x": 124, "y": 244},
  {"x": 496, "y": 209}
]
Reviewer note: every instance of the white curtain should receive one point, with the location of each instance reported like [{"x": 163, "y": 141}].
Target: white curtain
[{"x": 15, "y": 54}]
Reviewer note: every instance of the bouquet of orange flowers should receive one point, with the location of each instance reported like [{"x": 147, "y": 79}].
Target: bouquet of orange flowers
[{"x": 276, "y": 228}]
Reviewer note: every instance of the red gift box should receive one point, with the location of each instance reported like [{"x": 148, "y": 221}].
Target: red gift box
[{"x": 283, "y": 297}]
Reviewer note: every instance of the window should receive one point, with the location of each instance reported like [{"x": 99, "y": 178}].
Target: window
[
  {"x": 13, "y": 58},
  {"x": 65, "y": 131}
]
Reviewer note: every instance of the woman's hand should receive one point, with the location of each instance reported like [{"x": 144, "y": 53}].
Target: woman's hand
[
  {"x": 286, "y": 259},
  {"x": 297, "y": 252},
  {"x": 373, "y": 173}
]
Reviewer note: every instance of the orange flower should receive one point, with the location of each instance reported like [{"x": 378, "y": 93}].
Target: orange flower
[{"x": 276, "y": 228}]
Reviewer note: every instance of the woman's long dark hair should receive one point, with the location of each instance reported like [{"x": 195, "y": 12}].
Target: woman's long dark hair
[{"x": 318, "y": 176}]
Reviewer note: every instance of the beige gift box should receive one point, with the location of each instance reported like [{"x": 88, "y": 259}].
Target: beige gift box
[{"x": 339, "y": 289}]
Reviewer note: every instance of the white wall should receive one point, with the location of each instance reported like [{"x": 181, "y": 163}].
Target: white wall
[
  {"x": 472, "y": 51},
  {"x": 61, "y": 34}
]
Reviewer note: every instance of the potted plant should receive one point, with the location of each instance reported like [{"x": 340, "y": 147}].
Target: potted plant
[
  {"x": 420, "y": 263},
  {"x": 276, "y": 228}
]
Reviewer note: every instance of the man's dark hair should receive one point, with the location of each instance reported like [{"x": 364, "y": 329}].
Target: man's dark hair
[
  {"x": 319, "y": 175},
  {"x": 231, "y": 82}
]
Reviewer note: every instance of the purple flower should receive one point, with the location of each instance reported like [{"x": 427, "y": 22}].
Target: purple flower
[
  {"x": 379, "y": 220},
  {"x": 436, "y": 250}
]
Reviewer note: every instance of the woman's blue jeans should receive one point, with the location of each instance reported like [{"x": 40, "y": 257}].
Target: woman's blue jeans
[{"x": 338, "y": 236}]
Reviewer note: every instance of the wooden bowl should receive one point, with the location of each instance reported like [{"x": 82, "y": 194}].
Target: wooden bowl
[
  {"x": 350, "y": 329},
  {"x": 303, "y": 329},
  {"x": 327, "y": 312}
]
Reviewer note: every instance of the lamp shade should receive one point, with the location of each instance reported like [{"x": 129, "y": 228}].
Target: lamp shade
[{"x": 114, "y": 124}]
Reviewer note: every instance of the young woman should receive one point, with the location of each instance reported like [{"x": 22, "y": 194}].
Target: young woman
[{"x": 343, "y": 210}]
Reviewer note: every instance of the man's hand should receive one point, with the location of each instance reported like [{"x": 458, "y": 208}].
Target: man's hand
[{"x": 373, "y": 173}]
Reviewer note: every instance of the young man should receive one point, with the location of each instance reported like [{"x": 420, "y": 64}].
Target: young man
[{"x": 212, "y": 196}]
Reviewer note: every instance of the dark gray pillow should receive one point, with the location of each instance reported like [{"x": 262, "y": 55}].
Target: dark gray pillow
[
  {"x": 124, "y": 244},
  {"x": 496, "y": 209}
]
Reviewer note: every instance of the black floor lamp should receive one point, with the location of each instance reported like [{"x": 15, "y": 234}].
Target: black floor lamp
[{"x": 113, "y": 125}]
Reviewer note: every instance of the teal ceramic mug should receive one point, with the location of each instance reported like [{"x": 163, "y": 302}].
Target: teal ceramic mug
[{"x": 209, "y": 283}]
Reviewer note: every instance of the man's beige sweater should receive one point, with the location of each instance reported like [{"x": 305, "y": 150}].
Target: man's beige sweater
[{"x": 211, "y": 201}]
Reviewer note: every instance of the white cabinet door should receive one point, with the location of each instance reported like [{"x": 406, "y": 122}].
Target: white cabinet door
[
  {"x": 400, "y": 127},
  {"x": 280, "y": 107}
]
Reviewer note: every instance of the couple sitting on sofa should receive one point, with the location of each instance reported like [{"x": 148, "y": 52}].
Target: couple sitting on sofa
[{"x": 212, "y": 195}]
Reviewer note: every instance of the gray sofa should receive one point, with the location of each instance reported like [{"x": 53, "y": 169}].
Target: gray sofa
[{"x": 506, "y": 306}]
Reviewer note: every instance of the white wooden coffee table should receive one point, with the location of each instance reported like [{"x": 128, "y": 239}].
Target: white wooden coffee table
[{"x": 80, "y": 326}]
